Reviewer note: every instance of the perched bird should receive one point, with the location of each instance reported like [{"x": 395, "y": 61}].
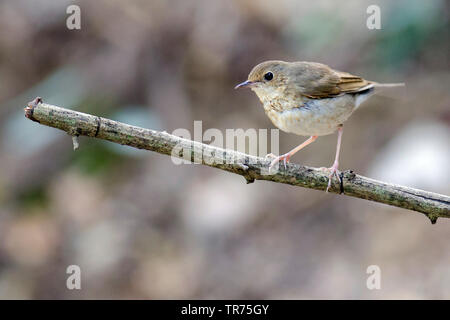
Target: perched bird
[{"x": 309, "y": 99}]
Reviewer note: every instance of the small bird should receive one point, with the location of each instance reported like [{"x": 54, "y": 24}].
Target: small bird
[{"x": 309, "y": 99}]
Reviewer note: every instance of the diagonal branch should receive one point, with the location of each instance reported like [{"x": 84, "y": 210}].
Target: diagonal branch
[{"x": 252, "y": 168}]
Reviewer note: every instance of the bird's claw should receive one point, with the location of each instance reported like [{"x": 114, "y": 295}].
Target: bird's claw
[
  {"x": 284, "y": 157},
  {"x": 270, "y": 156},
  {"x": 333, "y": 172}
]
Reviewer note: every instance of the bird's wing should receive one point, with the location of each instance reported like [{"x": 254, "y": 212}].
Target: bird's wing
[
  {"x": 316, "y": 80},
  {"x": 350, "y": 84}
]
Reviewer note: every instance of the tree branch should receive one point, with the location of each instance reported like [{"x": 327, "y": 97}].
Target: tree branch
[{"x": 252, "y": 168}]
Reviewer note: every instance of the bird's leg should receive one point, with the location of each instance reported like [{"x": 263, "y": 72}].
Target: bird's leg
[
  {"x": 334, "y": 168},
  {"x": 285, "y": 157}
]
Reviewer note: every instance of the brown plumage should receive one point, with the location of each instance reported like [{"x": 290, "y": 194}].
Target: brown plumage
[
  {"x": 310, "y": 79},
  {"x": 308, "y": 98}
]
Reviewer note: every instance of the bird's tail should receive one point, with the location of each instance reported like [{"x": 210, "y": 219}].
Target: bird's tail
[
  {"x": 388, "y": 85},
  {"x": 384, "y": 89},
  {"x": 378, "y": 88}
]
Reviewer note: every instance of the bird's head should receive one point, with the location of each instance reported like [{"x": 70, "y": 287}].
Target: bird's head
[{"x": 268, "y": 79}]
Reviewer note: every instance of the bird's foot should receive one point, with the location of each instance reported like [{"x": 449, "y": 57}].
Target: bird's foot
[
  {"x": 270, "y": 156},
  {"x": 333, "y": 170},
  {"x": 285, "y": 158}
]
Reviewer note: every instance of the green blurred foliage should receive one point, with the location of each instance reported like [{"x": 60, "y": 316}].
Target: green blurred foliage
[{"x": 95, "y": 158}]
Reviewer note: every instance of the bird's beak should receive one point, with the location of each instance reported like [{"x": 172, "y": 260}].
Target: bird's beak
[{"x": 244, "y": 84}]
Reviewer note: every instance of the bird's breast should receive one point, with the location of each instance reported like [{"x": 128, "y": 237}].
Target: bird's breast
[{"x": 311, "y": 116}]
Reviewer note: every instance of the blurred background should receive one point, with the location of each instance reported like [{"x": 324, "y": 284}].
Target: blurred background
[{"x": 141, "y": 227}]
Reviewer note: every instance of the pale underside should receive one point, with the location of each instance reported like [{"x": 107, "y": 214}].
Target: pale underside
[{"x": 310, "y": 117}]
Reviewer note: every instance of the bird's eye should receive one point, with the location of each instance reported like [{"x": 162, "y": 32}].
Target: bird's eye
[{"x": 268, "y": 76}]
